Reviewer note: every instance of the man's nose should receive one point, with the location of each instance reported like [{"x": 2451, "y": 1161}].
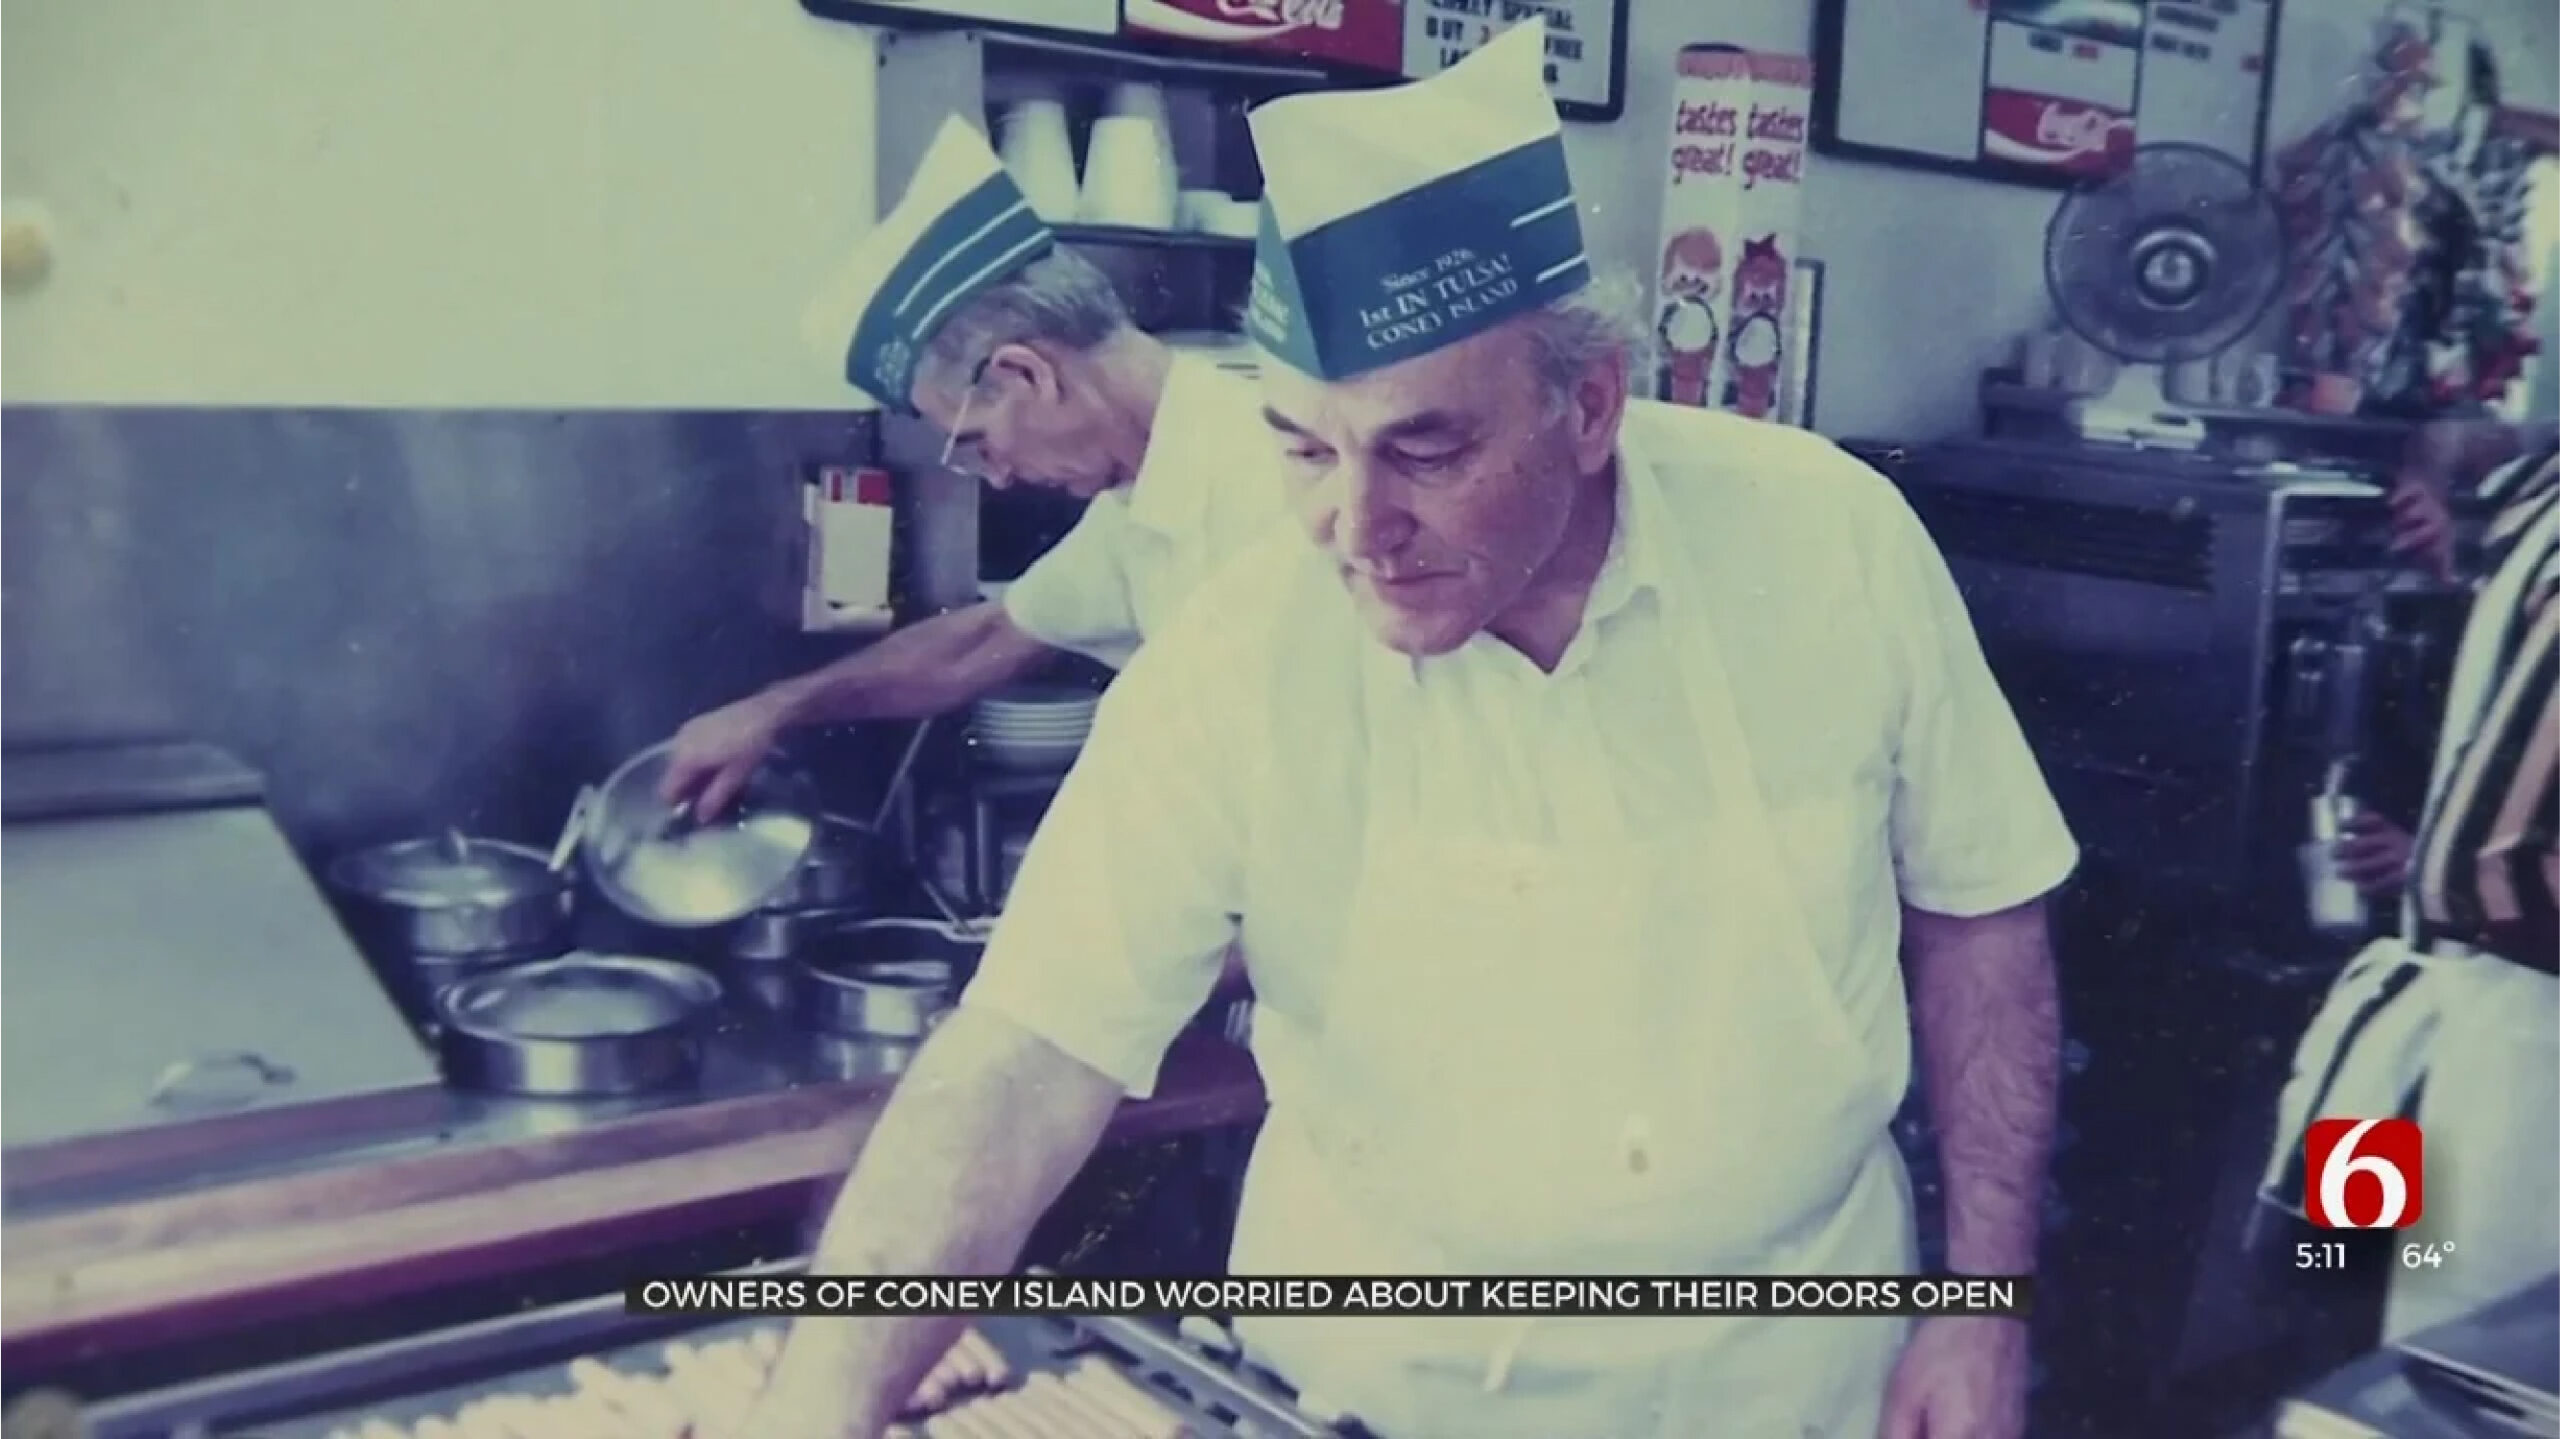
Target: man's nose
[{"x": 1371, "y": 522}]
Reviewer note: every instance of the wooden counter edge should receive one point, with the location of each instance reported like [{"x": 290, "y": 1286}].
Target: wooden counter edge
[{"x": 87, "y": 1298}]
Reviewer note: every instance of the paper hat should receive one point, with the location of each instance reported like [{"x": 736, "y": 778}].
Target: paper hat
[
  {"x": 1399, "y": 221},
  {"x": 961, "y": 227}
]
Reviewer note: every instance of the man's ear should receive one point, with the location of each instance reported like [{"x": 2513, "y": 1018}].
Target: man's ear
[
  {"x": 1027, "y": 365},
  {"x": 1599, "y": 403}
]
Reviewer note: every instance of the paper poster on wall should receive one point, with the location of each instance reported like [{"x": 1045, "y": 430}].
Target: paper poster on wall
[
  {"x": 1582, "y": 41},
  {"x": 1726, "y": 290},
  {"x": 2048, "y": 92},
  {"x": 2054, "y": 98}
]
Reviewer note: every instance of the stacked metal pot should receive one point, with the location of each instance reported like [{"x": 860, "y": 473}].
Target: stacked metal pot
[
  {"x": 434, "y": 911},
  {"x": 865, "y": 988},
  {"x": 476, "y": 932}
]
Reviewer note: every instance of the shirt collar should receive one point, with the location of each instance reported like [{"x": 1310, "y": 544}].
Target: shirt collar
[{"x": 1166, "y": 496}]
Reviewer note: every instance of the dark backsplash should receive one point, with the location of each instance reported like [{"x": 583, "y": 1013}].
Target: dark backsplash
[{"x": 407, "y": 620}]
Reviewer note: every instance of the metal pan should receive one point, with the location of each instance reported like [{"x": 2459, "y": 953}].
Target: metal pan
[
  {"x": 454, "y": 895},
  {"x": 834, "y": 874},
  {"x": 775, "y": 936},
  {"x": 886, "y": 978},
  {"x": 584, "y": 1025},
  {"x": 656, "y": 864}
]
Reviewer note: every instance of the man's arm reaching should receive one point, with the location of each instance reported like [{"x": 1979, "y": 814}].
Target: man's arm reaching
[
  {"x": 980, "y": 1138},
  {"x": 928, "y": 668}
]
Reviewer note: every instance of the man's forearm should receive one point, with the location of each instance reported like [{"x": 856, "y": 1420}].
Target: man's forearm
[
  {"x": 2460, "y": 453},
  {"x": 927, "y": 668},
  {"x": 1990, "y": 1049},
  {"x": 979, "y": 1139}
]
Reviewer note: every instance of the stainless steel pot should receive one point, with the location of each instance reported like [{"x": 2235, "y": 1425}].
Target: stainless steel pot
[
  {"x": 886, "y": 978},
  {"x": 834, "y": 874},
  {"x": 418, "y": 978},
  {"x": 847, "y": 1057},
  {"x": 584, "y": 1025},
  {"x": 774, "y": 936},
  {"x": 656, "y": 864},
  {"x": 455, "y": 896}
]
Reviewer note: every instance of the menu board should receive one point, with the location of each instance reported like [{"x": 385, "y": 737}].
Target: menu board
[
  {"x": 1586, "y": 45},
  {"x": 2040, "y": 91}
]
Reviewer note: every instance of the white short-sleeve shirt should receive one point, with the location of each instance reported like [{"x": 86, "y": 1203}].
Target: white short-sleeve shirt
[
  {"x": 1209, "y": 483},
  {"x": 1222, "y": 794}
]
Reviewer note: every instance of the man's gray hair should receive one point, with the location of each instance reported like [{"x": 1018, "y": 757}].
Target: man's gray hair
[
  {"x": 1059, "y": 298},
  {"x": 1603, "y": 320}
]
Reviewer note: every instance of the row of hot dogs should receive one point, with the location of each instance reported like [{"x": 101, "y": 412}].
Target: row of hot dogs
[{"x": 704, "y": 1392}]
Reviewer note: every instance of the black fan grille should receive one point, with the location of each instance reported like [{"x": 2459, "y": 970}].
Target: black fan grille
[{"x": 2171, "y": 260}]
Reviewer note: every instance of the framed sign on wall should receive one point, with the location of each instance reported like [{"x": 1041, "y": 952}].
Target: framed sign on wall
[
  {"x": 1586, "y": 45},
  {"x": 2040, "y": 92}
]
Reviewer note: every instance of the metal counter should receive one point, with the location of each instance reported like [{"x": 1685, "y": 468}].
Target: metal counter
[{"x": 747, "y": 1054}]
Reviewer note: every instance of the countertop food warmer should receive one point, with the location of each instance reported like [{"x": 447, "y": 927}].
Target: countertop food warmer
[
  {"x": 169, "y": 957},
  {"x": 1188, "y": 1390}
]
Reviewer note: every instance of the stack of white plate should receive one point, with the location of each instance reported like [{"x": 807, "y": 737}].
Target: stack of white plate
[{"x": 1034, "y": 727}]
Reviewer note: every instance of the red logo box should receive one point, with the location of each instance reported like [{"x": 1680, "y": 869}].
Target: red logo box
[{"x": 2364, "y": 1173}]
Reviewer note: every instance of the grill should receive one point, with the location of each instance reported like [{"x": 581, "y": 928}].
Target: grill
[{"x": 435, "y": 1375}]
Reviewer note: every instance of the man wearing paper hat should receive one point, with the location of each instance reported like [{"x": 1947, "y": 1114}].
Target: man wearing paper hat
[
  {"x": 1574, "y": 794},
  {"x": 960, "y": 307}
]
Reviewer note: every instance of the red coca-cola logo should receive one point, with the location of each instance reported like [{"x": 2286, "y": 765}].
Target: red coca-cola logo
[
  {"x": 2074, "y": 128},
  {"x": 1283, "y": 14},
  {"x": 1364, "y": 34}
]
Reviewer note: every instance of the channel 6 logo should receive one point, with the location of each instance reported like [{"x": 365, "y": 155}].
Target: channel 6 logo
[{"x": 2364, "y": 1173}]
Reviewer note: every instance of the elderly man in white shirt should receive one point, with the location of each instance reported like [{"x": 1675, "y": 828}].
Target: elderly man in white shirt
[
  {"x": 960, "y": 307},
  {"x": 1574, "y": 794}
]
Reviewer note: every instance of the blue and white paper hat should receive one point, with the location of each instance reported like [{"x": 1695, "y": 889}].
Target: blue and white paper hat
[
  {"x": 961, "y": 227},
  {"x": 1399, "y": 221}
]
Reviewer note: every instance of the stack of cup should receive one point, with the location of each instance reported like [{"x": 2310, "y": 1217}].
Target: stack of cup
[
  {"x": 1034, "y": 144},
  {"x": 1129, "y": 173}
]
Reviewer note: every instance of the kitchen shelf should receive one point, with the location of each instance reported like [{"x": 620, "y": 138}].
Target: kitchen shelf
[
  {"x": 1171, "y": 60},
  {"x": 2000, "y": 393},
  {"x": 1134, "y": 238}
]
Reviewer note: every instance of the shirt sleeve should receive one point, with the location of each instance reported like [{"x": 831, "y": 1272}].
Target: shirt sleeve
[
  {"x": 1076, "y": 597},
  {"x": 1117, "y": 924},
  {"x": 1975, "y": 828},
  {"x": 2487, "y": 869}
]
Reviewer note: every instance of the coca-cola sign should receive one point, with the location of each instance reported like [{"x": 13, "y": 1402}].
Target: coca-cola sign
[
  {"x": 2068, "y": 135},
  {"x": 1368, "y": 34}
]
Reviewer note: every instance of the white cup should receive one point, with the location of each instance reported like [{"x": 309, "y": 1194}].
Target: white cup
[
  {"x": 2336, "y": 907},
  {"x": 1142, "y": 102},
  {"x": 2084, "y": 369},
  {"x": 2040, "y": 360},
  {"x": 1236, "y": 219},
  {"x": 1128, "y": 175},
  {"x": 2190, "y": 382},
  {"x": 1041, "y": 158},
  {"x": 1203, "y": 209}
]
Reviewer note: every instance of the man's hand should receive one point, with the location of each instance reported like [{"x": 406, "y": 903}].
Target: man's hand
[
  {"x": 1960, "y": 1377},
  {"x": 2373, "y": 855},
  {"x": 802, "y": 1398},
  {"x": 2421, "y": 524},
  {"x": 715, "y": 753}
]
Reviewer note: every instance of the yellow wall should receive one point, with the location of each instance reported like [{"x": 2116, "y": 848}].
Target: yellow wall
[{"x": 508, "y": 203}]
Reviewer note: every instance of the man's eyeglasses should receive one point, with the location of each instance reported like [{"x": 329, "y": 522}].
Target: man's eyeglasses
[{"x": 962, "y": 451}]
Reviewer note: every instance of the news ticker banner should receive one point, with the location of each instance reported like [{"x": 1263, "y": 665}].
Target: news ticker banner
[{"x": 1032, "y": 1296}]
